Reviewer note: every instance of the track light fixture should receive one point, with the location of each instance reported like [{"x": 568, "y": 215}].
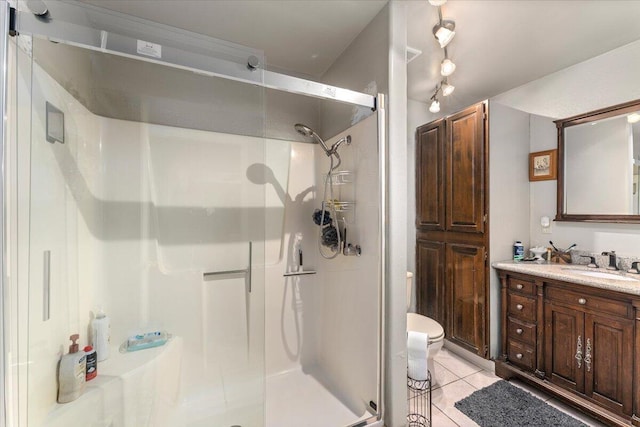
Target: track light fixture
[
  {"x": 447, "y": 67},
  {"x": 444, "y": 30},
  {"x": 435, "y": 106},
  {"x": 446, "y": 88}
]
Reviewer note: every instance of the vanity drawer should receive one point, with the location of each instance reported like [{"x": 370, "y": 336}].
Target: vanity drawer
[
  {"x": 587, "y": 301},
  {"x": 522, "y": 307},
  {"x": 523, "y": 331},
  {"x": 522, "y": 286},
  {"x": 522, "y": 355}
]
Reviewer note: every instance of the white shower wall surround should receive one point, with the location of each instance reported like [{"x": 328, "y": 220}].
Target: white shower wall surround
[{"x": 130, "y": 197}]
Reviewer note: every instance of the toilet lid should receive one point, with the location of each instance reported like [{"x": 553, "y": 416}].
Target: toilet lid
[{"x": 419, "y": 323}]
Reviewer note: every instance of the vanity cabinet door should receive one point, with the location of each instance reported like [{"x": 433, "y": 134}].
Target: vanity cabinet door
[
  {"x": 608, "y": 362},
  {"x": 564, "y": 346}
]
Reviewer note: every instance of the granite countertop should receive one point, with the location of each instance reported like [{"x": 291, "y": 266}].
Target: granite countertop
[{"x": 580, "y": 274}]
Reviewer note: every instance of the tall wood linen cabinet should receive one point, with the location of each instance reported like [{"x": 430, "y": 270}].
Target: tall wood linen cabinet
[{"x": 452, "y": 236}]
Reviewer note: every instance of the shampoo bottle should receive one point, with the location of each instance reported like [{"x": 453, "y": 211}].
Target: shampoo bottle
[
  {"x": 71, "y": 375},
  {"x": 100, "y": 331}
]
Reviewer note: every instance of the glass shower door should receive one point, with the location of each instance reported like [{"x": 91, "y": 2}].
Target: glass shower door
[{"x": 139, "y": 203}]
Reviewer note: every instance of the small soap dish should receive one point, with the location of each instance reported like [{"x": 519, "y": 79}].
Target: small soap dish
[{"x": 144, "y": 341}]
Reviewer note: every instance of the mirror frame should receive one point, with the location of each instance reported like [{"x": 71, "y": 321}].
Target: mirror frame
[{"x": 603, "y": 113}]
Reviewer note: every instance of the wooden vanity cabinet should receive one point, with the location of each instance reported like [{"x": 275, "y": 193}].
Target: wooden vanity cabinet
[
  {"x": 579, "y": 343},
  {"x": 589, "y": 346}
]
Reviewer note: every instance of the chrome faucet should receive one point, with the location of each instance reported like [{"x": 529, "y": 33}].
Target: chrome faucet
[
  {"x": 634, "y": 268},
  {"x": 613, "y": 261},
  {"x": 592, "y": 261}
]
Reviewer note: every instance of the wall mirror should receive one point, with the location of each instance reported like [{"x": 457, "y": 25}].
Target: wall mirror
[{"x": 598, "y": 161}]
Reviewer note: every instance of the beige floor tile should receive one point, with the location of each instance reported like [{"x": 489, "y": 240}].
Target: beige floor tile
[
  {"x": 444, "y": 398},
  {"x": 443, "y": 376},
  {"x": 481, "y": 379},
  {"x": 455, "y": 363},
  {"x": 439, "y": 419}
]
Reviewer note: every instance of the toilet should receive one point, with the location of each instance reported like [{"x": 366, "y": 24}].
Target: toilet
[{"x": 419, "y": 323}]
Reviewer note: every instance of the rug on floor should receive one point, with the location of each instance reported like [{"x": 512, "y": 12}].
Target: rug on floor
[{"x": 504, "y": 405}]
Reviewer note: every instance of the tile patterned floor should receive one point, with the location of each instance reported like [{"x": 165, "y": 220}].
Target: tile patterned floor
[{"x": 456, "y": 378}]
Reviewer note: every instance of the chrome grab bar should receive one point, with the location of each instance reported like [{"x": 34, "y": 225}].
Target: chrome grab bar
[
  {"x": 247, "y": 271},
  {"x": 299, "y": 273}
]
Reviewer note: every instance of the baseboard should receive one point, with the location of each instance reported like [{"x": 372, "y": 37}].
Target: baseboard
[{"x": 485, "y": 364}]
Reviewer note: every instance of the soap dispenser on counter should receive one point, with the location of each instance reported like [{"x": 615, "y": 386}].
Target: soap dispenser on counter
[{"x": 72, "y": 372}]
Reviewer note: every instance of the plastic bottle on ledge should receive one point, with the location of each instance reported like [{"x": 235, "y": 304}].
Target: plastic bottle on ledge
[
  {"x": 72, "y": 372},
  {"x": 101, "y": 334}
]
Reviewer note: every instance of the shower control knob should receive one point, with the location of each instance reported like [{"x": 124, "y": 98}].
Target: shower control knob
[{"x": 253, "y": 63}]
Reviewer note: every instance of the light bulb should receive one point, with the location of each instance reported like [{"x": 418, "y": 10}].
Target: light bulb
[
  {"x": 447, "y": 67},
  {"x": 447, "y": 89},
  {"x": 437, "y": 2},
  {"x": 633, "y": 118},
  {"x": 444, "y": 35},
  {"x": 435, "y": 106}
]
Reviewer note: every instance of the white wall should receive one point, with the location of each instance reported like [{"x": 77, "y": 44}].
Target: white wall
[
  {"x": 508, "y": 197},
  {"x": 350, "y": 335}
]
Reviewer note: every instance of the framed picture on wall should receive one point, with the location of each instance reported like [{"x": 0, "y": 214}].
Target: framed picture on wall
[{"x": 543, "y": 165}]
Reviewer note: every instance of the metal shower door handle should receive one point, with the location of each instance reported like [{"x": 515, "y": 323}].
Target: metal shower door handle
[
  {"x": 46, "y": 285},
  {"x": 250, "y": 263}
]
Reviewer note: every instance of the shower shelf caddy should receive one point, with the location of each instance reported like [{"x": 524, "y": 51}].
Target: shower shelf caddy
[{"x": 419, "y": 400}]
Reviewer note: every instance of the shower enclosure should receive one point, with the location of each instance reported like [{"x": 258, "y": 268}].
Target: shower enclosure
[{"x": 156, "y": 174}]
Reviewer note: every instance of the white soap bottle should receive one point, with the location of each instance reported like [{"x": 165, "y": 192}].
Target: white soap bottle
[
  {"x": 101, "y": 335},
  {"x": 71, "y": 375}
]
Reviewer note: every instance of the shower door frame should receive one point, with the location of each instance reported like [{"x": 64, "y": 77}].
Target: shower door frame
[{"x": 91, "y": 33}]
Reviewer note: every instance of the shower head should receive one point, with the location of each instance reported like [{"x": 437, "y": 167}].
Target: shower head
[{"x": 307, "y": 131}]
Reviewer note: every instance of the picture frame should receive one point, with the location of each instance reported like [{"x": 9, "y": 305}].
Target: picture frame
[{"x": 543, "y": 165}]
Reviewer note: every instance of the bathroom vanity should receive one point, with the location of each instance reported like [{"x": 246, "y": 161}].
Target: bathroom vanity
[{"x": 573, "y": 332}]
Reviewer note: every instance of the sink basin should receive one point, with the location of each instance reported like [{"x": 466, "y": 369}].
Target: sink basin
[{"x": 604, "y": 275}]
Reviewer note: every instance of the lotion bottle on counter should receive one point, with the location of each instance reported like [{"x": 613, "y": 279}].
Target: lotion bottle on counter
[{"x": 72, "y": 372}]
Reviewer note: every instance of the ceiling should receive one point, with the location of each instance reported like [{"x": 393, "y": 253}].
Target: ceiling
[{"x": 498, "y": 45}]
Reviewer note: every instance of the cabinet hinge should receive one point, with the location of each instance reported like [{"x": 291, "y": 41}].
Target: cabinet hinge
[
  {"x": 484, "y": 218},
  {"x": 485, "y": 256}
]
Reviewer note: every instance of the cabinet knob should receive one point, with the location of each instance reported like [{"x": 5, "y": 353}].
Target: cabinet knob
[
  {"x": 582, "y": 301},
  {"x": 519, "y": 356},
  {"x": 520, "y": 306},
  {"x": 519, "y": 286},
  {"x": 519, "y": 331}
]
